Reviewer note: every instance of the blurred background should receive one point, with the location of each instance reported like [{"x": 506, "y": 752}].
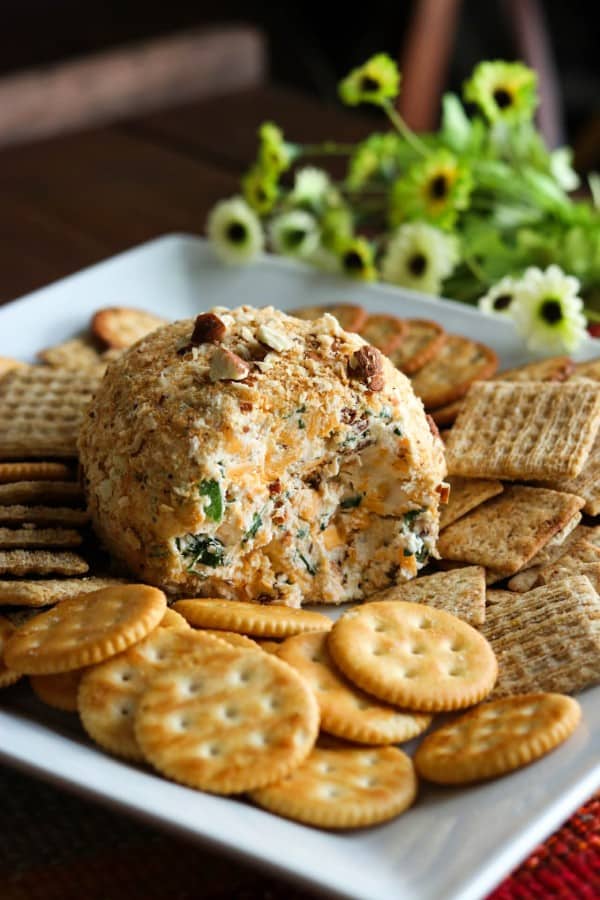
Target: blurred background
[{"x": 306, "y": 45}]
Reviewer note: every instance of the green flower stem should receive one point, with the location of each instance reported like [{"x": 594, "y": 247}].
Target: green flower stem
[
  {"x": 327, "y": 148},
  {"x": 476, "y": 269},
  {"x": 402, "y": 128}
]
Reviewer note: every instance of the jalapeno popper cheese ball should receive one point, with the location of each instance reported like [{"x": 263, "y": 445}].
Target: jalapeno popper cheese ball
[{"x": 255, "y": 456}]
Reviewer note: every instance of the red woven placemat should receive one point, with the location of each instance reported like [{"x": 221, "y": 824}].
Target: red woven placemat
[{"x": 56, "y": 847}]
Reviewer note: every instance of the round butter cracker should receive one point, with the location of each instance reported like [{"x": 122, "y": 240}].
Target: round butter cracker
[{"x": 413, "y": 656}]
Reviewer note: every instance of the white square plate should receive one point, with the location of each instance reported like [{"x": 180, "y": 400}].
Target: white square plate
[{"x": 454, "y": 843}]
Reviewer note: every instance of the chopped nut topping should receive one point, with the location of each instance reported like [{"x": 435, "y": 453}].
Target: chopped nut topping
[
  {"x": 208, "y": 329},
  {"x": 443, "y": 490},
  {"x": 227, "y": 366},
  {"x": 366, "y": 365},
  {"x": 274, "y": 339}
]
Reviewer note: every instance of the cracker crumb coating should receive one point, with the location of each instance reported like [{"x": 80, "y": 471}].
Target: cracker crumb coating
[{"x": 307, "y": 480}]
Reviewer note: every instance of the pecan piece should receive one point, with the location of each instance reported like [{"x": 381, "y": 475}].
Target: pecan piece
[
  {"x": 227, "y": 366},
  {"x": 366, "y": 365},
  {"x": 208, "y": 329}
]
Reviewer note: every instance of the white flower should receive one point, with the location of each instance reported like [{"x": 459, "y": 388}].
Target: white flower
[
  {"x": 499, "y": 299},
  {"x": 235, "y": 231},
  {"x": 420, "y": 256},
  {"x": 311, "y": 186},
  {"x": 547, "y": 310},
  {"x": 294, "y": 233}
]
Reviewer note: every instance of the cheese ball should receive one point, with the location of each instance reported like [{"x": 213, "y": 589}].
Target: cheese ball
[{"x": 254, "y": 456}]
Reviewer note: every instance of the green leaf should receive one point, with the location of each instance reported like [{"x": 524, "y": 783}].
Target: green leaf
[
  {"x": 256, "y": 523},
  {"x": 456, "y": 125},
  {"x": 410, "y": 516},
  {"x": 310, "y": 568},
  {"x": 214, "y": 507},
  {"x": 201, "y": 548}
]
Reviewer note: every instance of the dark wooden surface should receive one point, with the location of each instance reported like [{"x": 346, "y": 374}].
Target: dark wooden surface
[{"x": 71, "y": 201}]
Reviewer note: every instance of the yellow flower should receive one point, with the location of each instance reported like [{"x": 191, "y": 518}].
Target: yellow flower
[
  {"x": 357, "y": 259},
  {"x": 274, "y": 154},
  {"x": 377, "y": 155},
  {"x": 259, "y": 187},
  {"x": 503, "y": 91},
  {"x": 433, "y": 190},
  {"x": 376, "y": 81}
]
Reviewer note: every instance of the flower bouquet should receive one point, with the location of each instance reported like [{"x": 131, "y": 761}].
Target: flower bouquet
[{"x": 478, "y": 211}]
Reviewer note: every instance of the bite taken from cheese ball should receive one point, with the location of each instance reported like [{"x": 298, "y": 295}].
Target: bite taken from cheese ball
[{"x": 254, "y": 456}]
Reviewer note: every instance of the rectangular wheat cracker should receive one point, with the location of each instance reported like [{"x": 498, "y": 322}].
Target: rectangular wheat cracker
[
  {"x": 459, "y": 591},
  {"x": 41, "y": 410},
  {"x": 34, "y": 471},
  {"x": 505, "y": 532},
  {"x": 535, "y": 431},
  {"x": 32, "y": 492},
  {"x": 43, "y": 515},
  {"x": 547, "y": 639},
  {"x": 41, "y": 562},
  {"x": 466, "y": 494},
  {"x": 27, "y": 537},
  {"x": 587, "y": 483},
  {"x": 49, "y": 591}
]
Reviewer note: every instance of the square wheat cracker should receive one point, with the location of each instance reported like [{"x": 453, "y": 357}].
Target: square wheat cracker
[
  {"x": 27, "y": 537},
  {"x": 41, "y": 593},
  {"x": 505, "y": 532},
  {"x": 41, "y": 410},
  {"x": 535, "y": 431},
  {"x": 587, "y": 483},
  {"x": 42, "y": 562},
  {"x": 460, "y": 591},
  {"x": 466, "y": 494},
  {"x": 547, "y": 639}
]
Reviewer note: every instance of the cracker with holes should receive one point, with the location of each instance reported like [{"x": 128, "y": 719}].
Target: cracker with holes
[
  {"x": 467, "y": 494},
  {"x": 238, "y": 722},
  {"x": 34, "y": 471},
  {"x": 547, "y": 639},
  {"x": 413, "y": 656},
  {"x": 422, "y": 341},
  {"x": 524, "y": 430},
  {"x": 110, "y": 692},
  {"x": 250, "y": 618},
  {"x": 449, "y": 375},
  {"x": 460, "y": 592},
  {"x": 29, "y": 538},
  {"x": 40, "y": 492},
  {"x": 118, "y": 327},
  {"x": 350, "y": 316},
  {"x": 42, "y": 562},
  {"x": 589, "y": 369},
  {"x": 446, "y": 415},
  {"x": 85, "y": 630},
  {"x": 506, "y": 531},
  {"x": 497, "y": 737},
  {"x": 47, "y": 591},
  {"x": 346, "y": 711},
  {"x": 59, "y": 690},
  {"x": 230, "y": 637},
  {"x": 555, "y": 368},
  {"x": 384, "y": 331},
  {"x": 344, "y": 788},
  {"x": 41, "y": 410},
  {"x": 7, "y": 676}
]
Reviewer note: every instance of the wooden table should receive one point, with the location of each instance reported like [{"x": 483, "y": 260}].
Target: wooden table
[{"x": 67, "y": 203}]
